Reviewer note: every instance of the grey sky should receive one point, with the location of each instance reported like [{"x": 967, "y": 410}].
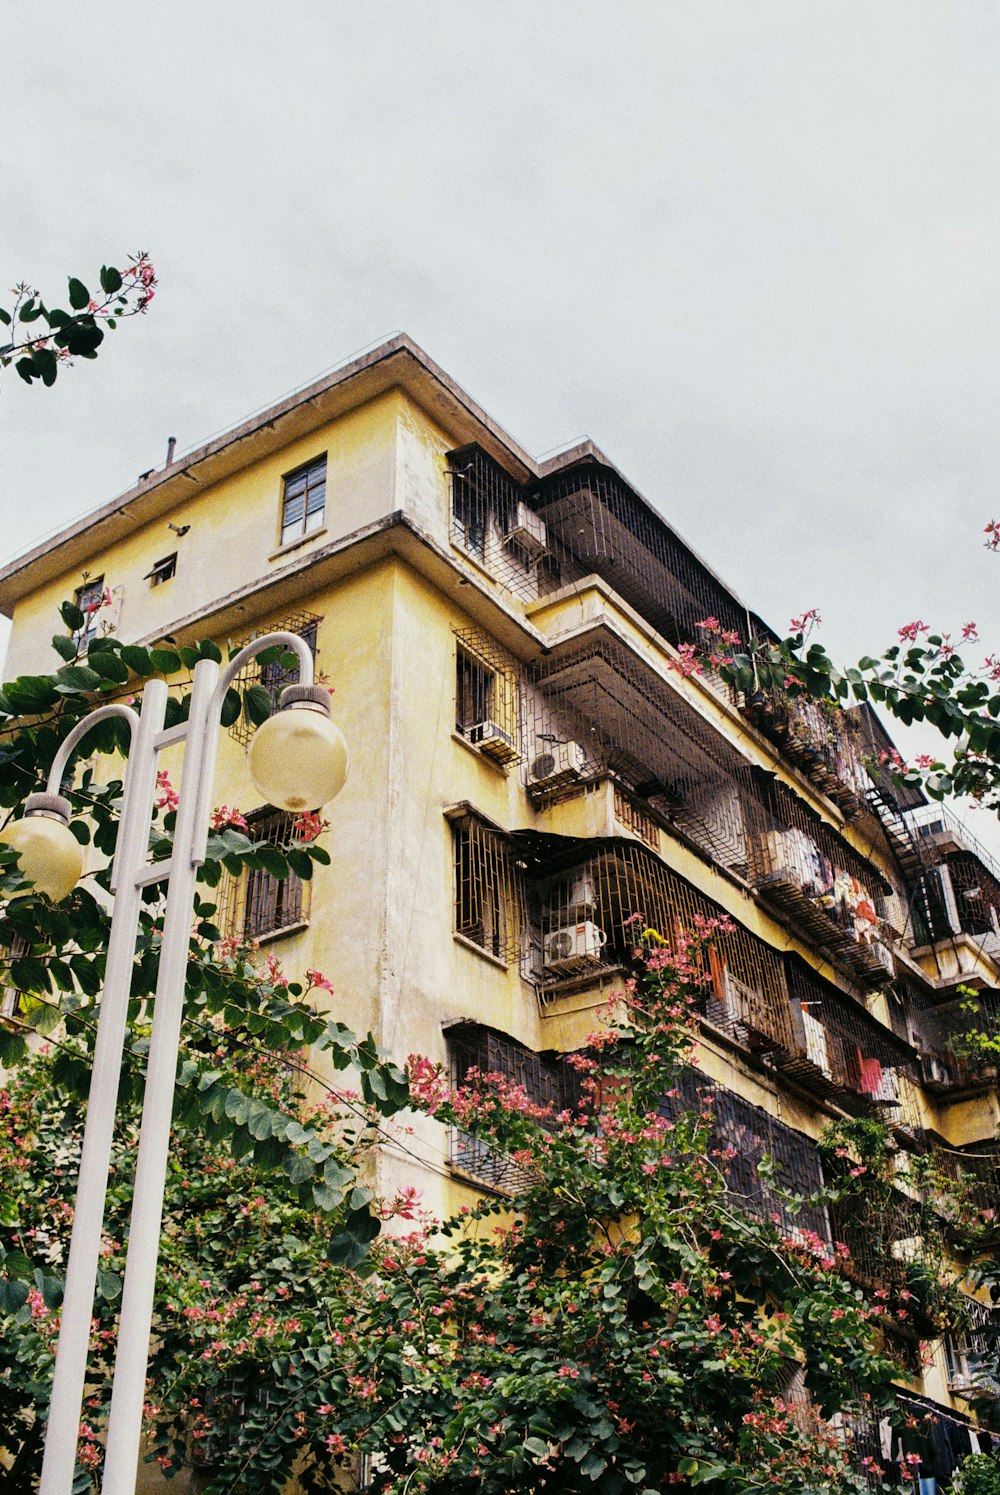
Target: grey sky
[{"x": 752, "y": 249}]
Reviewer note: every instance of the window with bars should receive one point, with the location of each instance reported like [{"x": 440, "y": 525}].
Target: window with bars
[
  {"x": 257, "y": 903},
  {"x": 475, "y": 1053},
  {"x": 488, "y": 894},
  {"x": 273, "y": 677},
  {"x": 89, "y": 599},
  {"x": 303, "y": 502},
  {"x": 486, "y": 697},
  {"x": 474, "y": 691}
]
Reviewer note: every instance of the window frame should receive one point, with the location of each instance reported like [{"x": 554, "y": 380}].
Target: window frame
[
  {"x": 257, "y": 889},
  {"x": 313, "y": 475},
  {"x": 469, "y": 689},
  {"x": 163, "y": 570},
  {"x": 82, "y": 636}
]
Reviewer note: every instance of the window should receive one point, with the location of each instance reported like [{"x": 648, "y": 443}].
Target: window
[
  {"x": 474, "y": 690},
  {"x": 89, "y": 598},
  {"x": 274, "y": 677},
  {"x": 162, "y": 570},
  {"x": 486, "y": 697},
  {"x": 303, "y": 500},
  {"x": 267, "y": 904},
  {"x": 488, "y": 893},
  {"x": 548, "y": 1081}
]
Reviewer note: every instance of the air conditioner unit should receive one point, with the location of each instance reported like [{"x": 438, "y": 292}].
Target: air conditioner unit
[
  {"x": 561, "y": 763},
  {"x": 492, "y": 740},
  {"x": 573, "y": 946},
  {"x": 527, "y": 531}
]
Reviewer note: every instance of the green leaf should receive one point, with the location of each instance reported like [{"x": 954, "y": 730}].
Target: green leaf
[
  {"x": 137, "y": 659},
  {"x": 109, "y": 1285},
  {"x": 208, "y": 649},
  {"x": 108, "y": 665},
  {"x": 536, "y": 1448},
  {"x": 64, "y": 646},
  {"x": 71, "y": 615},
  {"x": 257, "y": 704},
  {"x": 79, "y": 296},
  {"x": 165, "y": 661},
  {"x": 111, "y": 280},
  {"x": 73, "y": 677},
  {"x": 13, "y": 1296}
]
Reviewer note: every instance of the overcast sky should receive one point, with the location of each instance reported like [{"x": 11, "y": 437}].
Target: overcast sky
[{"x": 752, "y": 249}]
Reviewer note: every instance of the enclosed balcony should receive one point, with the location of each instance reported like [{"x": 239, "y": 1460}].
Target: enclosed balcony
[
  {"x": 751, "y": 1133},
  {"x": 959, "y": 1043},
  {"x": 807, "y": 872},
  {"x": 589, "y": 902},
  {"x": 845, "y": 1053},
  {"x": 826, "y": 743}
]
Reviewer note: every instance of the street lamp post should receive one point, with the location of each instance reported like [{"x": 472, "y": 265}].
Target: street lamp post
[{"x": 298, "y": 761}]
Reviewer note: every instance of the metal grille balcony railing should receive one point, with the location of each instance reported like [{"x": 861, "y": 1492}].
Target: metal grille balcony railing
[
  {"x": 476, "y": 1053},
  {"x": 950, "y": 1038},
  {"x": 827, "y": 743},
  {"x": 587, "y": 915},
  {"x": 846, "y": 1053},
  {"x": 751, "y": 1134},
  {"x": 599, "y": 710}
]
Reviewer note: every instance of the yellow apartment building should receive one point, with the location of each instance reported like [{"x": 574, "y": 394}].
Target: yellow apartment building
[{"x": 530, "y": 769}]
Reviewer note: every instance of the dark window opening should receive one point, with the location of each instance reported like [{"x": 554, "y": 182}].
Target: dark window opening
[
  {"x": 162, "y": 570},
  {"x": 474, "y": 691}
]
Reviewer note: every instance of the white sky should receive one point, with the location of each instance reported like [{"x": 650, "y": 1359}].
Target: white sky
[{"x": 753, "y": 250}]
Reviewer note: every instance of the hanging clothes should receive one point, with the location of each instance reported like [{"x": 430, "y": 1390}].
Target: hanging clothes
[{"x": 816, "y": 1042}]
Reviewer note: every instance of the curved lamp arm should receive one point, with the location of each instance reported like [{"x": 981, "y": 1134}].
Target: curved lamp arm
[
  {"x": 297, "y": 646},
  {"x": 66, "y": 748}
]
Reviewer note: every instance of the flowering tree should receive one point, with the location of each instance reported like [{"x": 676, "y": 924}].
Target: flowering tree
[
  {"x": 923, "y": 676},
  {"x": 42, "y": 338},
  {"x": 625, "y": 1320}
]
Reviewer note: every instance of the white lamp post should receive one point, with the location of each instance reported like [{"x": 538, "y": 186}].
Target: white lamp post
[{"x": 298, "y": 761}]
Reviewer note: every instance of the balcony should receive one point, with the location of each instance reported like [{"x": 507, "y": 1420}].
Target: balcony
[
  {"x": 820, "y": 884},
  {"x": 845, "y": 1054},
  {"x": 826, "y": 743},
  {"x": 588, "y": 903},
  {"x": 599, "y": 710},
  {"x": 949, "y": 1038},
  {"x": 752, "y": 1134}
]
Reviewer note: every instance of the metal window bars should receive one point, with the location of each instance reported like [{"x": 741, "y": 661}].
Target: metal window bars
[
  {"x": 256, "y": 903},
  {"x": 273, "y": 677},
  {"x": 599, "y": 710},
  {"x": 846, "y": 1053},
  {"x": 487, "y": 696},
  {"x": 489, "y": 891},
  {"x": 883, "y": 1243},
  {"x": 749, "y": 1133},
  {"x": 948, "y": 1039},
  {"x": 477, "y": 1052},
  {"x": 970, "y": 1353}
]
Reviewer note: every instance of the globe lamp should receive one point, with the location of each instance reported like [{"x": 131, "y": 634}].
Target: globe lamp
[
  {"x": 298, "y": 757},
  {"x": 51, "y": 856}
]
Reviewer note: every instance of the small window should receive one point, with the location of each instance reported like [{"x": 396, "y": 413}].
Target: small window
[
  {"x": 303, "y": 501},
  {"x": 488, "y": 892},
  {"x": 474, "y": 692},
  {"x": 162, "y": 570},
  {"x": 274, "y": 677},
  {"x": 270, "y": 904},
  {"x": 89, "y": 598}
]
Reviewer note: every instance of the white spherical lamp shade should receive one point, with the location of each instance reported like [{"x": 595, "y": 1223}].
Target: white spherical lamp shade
[
  {"x": 51, "y": 856},
  {"x": 298, "y": 759}
]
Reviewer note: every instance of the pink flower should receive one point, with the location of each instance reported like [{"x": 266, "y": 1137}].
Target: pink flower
[
  {"x": 224, "y": 817},
  {"x": 909, "y": 631},
  {"x": 317, "y": 979},
  {"x": 969, "y": 631},
  {"x": 308, "y": 826}
]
